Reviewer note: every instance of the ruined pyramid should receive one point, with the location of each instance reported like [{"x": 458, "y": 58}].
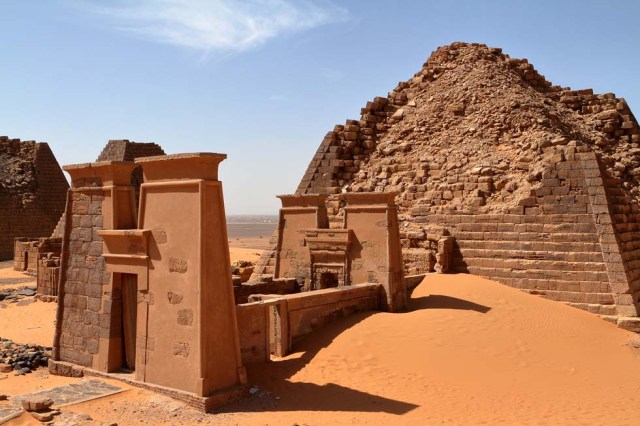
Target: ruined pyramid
[
  {"x": 33, "y": 191},
  {"x": 538, "y": 184}
]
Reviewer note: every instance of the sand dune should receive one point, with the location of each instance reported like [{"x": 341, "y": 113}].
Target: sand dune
[{"x": 471, "y": 351}]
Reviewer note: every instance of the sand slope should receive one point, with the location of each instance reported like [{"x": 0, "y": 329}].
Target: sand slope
[{"x": 471, "y": 351}]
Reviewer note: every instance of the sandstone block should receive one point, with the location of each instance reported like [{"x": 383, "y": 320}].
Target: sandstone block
[{"x": 36, "y": 403}]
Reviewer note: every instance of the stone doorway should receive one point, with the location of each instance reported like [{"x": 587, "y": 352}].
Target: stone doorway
[
  {"x": 328, "y": 280},
  {"x": 129, "y": 296},
  {"x": 328, "y": 276}
]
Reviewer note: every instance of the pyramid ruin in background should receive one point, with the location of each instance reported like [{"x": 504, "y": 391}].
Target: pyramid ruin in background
[
  {"x": 538, "y": 184},
  {"x": 121, "y": 150},
  {"x": 125, "y": 150},
  {"x": 33, "y": 191}
]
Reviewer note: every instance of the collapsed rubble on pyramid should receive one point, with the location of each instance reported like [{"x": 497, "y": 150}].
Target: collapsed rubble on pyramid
[
  {"x": 472, "y": 132},
  {"x": 537, "y": 183}
]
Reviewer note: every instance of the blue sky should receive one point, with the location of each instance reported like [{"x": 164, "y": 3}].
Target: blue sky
[{"x": 263, "y": 81}]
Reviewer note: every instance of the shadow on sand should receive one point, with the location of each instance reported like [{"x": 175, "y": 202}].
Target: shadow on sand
[
  {"x": 439, "y": 301},
  {"x": 300, "y": 396}
]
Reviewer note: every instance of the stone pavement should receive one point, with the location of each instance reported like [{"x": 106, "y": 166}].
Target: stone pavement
[{"x": 84, "y": 390}]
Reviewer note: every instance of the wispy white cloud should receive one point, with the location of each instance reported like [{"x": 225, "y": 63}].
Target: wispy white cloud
[
  {"x": 208, "y": 25},
  {"x": 332, "y": 74}
]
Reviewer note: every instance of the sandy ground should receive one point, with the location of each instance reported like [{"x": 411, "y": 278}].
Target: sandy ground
[
  {"x": 251, "y": 254},
  {"x": 8, "y": 272},
  {"x": 32, "y": 323},
  {"x": 470, "y": 351},
  {"x": 12, "y": 279},
  {"x": 256, "y": 243}
]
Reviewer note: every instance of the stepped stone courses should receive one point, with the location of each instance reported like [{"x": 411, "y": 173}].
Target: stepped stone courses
[
  {"x": 125, "y": 150},
  {"x": 538, "y": 184},
  {"x": 32, "y": 192}
]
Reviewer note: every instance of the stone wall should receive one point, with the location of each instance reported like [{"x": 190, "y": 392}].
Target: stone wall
[
  {"x": 33, "y": 190},
  {"x": 561, "y": 242},
  {"x": 48, "y": 277},
  {"x": 309, "y": 311},
  {"x": 21, "y": 247},
  {"x": 84, "y": 320},
  {"x": 29, "y": 251},
  {"x": 254, "y": 327},
  {"x": 271, "y": 324},
  {"x": 242, "y": 291}
]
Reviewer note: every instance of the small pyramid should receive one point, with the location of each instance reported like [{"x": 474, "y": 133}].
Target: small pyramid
[{"x": 125, "y": 150}]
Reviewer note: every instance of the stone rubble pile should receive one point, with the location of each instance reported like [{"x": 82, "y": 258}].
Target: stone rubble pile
[
  {"x": 471, "y": 132},
  {"x": 22, "y": 358},
  {"x": 17, "y": 169},
  {"x": 13, "y": 295},
  {"x": 242, "y": 269}
]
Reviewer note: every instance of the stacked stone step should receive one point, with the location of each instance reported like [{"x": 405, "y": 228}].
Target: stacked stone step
[
  {"x": 267, "y": 262},
  {"x": 611, "y": 114},
  {"x": 440, "y": 60},
  {"x": 560, "y": 244},
  {"x": 320, "y": 176},
  {"x": 125, "y": 150},
  {"x": 343, "y": 150},
  {"x": 59, "y": 229},
  {"x": 625, "y": 216},
  {"x": 557, "y": 256}
]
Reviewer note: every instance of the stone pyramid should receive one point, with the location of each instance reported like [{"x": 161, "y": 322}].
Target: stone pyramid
[
  {"x": 33, "y": 191},
  {"x": 125, "y": 150},
  {"x": 538, "y": 184}
]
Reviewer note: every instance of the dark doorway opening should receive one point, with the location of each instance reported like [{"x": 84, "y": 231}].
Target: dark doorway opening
[
  {"x": 328, "y": 280},
  {"x": 129, "y": 296}
]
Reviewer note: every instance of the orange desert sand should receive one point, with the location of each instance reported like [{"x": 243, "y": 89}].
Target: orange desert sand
[
  {"x": 247, "y": 248},
  {"x": 469, "y": 351}
]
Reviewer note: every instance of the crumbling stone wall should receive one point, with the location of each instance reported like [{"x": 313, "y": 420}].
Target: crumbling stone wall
[
  {"x": 271, "y": 324},
  {"x": 539, "y": 184},
  {"x": 33, "y": 190},
  {"x": 48, "y": 277},
  {"x": 29, "y": 251}
]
